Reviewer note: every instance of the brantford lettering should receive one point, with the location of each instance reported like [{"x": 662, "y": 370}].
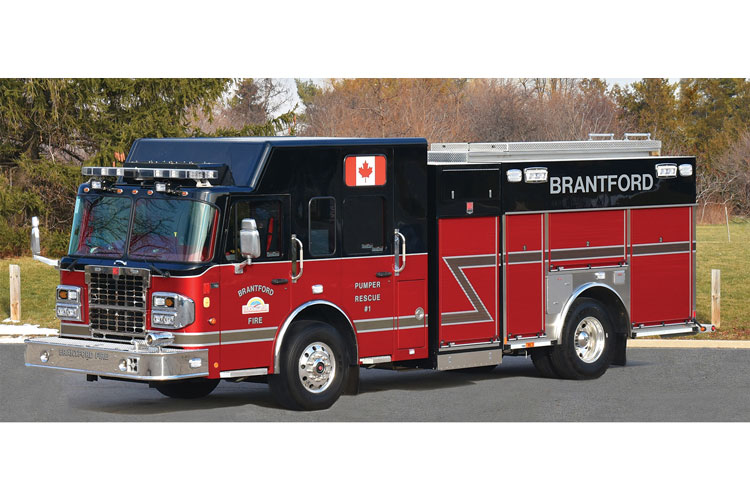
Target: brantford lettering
[
  {"x": 600, "y": 183},
  {"x": 254, "y": 289},
  {"x": 75, "y": 353}
]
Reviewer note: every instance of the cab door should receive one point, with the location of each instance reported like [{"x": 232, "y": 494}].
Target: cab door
[{"x": 255, "y": 297}]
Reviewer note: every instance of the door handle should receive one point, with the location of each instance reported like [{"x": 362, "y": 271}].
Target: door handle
[
  {"x": 383, "y": 274},
  {"x": 402, "y": 254},
  {"x": 296, "y": 241},
  {"x": 279, "y": 281}
]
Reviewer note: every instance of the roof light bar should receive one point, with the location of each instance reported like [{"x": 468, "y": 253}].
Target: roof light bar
[{"x": 196, "y": 174}]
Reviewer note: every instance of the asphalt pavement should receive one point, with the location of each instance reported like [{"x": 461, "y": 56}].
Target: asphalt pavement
[{"x": 669, "y": 385}]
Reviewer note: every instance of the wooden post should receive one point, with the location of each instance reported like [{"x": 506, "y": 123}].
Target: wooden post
[
  {"x": 726, "y": 214},
  {"x": 716, "y": 297},
  {"x": 15, "y": 292}
]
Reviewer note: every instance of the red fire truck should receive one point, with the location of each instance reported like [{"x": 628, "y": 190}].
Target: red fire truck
[{"x": 303, "y": 259}]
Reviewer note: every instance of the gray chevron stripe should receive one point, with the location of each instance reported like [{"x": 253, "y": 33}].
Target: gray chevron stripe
[{"x": 456, "y": 266}]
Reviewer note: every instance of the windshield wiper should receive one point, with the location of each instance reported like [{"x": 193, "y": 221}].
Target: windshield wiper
[
  {"x": 71, "y": 266},
  {"x": 157, "y": 270}
]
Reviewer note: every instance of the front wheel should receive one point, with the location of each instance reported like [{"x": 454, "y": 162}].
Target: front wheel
[
  {"x": 585, "y": 350},
  {"x": 313, "y": 367},
  {"x": 191, "y": 388}
]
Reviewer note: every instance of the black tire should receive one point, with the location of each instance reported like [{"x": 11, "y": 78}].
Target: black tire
[
  {"x": 325, "y": 350},
  {"x": 191, "y": 388},
  {"x": 569, "y": 357},
  {"x": 541, "y": 357}
]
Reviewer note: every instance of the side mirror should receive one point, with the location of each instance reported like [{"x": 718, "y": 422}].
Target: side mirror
[
  {"x": 249, "y": 239},
  {"x": 36, "y": 246}
]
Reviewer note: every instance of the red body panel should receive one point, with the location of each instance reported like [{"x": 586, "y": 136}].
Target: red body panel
[
  {"x": 597, "y": 236},
  {"x": 252, "y": 309},
  {"x": 468, "y": 279},
  {"x": 524, "y": 275},
  {"x": 661, "y": 280}
]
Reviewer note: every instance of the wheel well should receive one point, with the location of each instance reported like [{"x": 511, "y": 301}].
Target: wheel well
[
  {"x": 334, "y": 317},
  {"x": 618, "y": 313}
]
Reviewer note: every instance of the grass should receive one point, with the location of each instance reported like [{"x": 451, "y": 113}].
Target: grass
[
  {"x": 732, "y": 258},
  {"x": 38, "y": 282}
]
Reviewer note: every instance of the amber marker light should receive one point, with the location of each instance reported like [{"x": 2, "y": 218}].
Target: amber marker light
[
  {"x": 216, "y": 364},
  {"x": 184, "y": 193},
  {"x": 149, "y": 192},
  {"x": 703, "y": 328},
  {"x": 169, "y": 302},
  {"x": 86, "y": 190},
  {"x": 212, "y": 321},
  {"x": 135, "y": 191},
  {"x": 62, "y": 294},
  {"x": 119, "y": 191}
]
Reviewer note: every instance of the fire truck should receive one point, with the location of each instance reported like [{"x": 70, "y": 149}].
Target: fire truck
[{"x": 301, "y": 260}]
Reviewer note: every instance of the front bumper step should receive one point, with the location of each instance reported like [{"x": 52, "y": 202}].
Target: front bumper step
[{"x": 110, "y": 359}]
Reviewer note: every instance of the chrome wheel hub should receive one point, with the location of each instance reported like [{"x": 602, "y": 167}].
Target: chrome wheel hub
[
  {"x": 316, "y": 367},
  {"x": 589, "y": 339}
]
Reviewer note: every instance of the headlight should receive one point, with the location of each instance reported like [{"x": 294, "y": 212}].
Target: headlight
[
  {"x": 171, "y": 310},
  {"x": 64, "y": 311},
  {"x": 68, "y": 304}
]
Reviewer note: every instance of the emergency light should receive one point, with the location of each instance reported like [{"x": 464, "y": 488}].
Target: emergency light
[
  {"x": 666, "y": 170},
  {"x": 196, "y": 174}
]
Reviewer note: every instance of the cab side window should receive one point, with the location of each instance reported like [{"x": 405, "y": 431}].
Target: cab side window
[
  {"x": 322, "y": 226},
  {"x": 364, "y": 225},
  {"x": 267, "y": 215}
]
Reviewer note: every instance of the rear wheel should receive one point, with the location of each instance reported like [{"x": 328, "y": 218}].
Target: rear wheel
[
  {"x": 585, "y": 350},
  {"x": 191, "y": 388},
  {"x": 313, "y": 367}
]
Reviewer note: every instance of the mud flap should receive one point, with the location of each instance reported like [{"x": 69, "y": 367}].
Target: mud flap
[
  {"x": 352, "y": 381},
  {"x": 619, "y": 357}
]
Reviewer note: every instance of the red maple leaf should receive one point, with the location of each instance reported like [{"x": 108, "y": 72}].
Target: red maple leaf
[{"x": 365, "y": 170}]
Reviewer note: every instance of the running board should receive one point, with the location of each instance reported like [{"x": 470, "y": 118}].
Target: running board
[
  {"x": 469, "y": 356},
  {"x": 667, "y": 330}
]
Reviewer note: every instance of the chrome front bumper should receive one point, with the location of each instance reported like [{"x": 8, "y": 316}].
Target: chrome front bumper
[{"x": 109, "y": 359}]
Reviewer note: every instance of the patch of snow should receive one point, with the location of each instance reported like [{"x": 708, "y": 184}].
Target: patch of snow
[{"x": 7, "y": 330}]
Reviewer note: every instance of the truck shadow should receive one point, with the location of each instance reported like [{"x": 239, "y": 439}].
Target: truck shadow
[
  {"x": 145, "y": 401},
  {"x": 142, "y": 401},
  {"x": 421, "y": 380}
]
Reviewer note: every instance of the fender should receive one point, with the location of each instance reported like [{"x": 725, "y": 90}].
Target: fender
[
  {"x": 558, "y": 324},
  {"x": 285, "y": 326}
]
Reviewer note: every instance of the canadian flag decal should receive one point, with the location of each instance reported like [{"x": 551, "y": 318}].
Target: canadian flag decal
[{"x": 365, "y": 170}]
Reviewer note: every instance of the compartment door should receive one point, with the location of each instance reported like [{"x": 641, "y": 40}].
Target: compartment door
[
  {"x": 524, "y": 275},
  {"x": 468, "y": 275},
  {"x": 661, "y": 288}
]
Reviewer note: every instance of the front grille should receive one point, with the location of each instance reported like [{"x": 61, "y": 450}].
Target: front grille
[{"x": 117, "y": 302}]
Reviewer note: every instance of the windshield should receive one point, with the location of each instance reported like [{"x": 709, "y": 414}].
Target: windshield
[
  {"x": 174, "y": 230},
  {"x": 163, "y": 229},
  {"x": 100, "y": 226}
]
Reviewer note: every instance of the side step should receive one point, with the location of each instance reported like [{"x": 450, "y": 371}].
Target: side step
[
  {"x": 469, "y": 356},
  {"x": 668, "y": 330}
]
